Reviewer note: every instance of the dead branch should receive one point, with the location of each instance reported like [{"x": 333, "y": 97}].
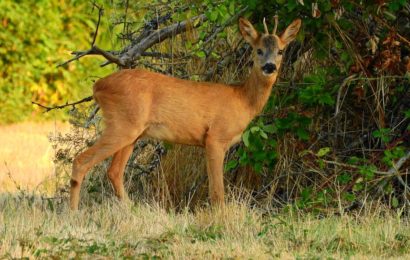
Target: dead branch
[
  {"x": 396, "y": 167},
  {"x": 87, "y": 99},
  {"x": 100, "y": 13},
  {"x": 134, "y": 51},
  {"x": 92, "y": 115},
  {"x": 137, "y": 49},
  {"x": 95, "y": 50}
]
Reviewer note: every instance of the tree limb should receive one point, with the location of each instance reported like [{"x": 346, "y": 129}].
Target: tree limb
[
  {"x": 135, "y": 51},
  {"x": 95, "y": 50},
  {"x": 87, "y": 99}
]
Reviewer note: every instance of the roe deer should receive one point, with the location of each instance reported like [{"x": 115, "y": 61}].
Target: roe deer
[{"x": 139, "y": 103}]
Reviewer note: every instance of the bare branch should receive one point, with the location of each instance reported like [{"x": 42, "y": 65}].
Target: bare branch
[
  {"x": 150, "y": 26},
  {"x": 100, "y": 13},
  {"x": 87, "y": 99},
  {"x": 135, "y": 51},
  {"x": 95, "y": 50},
  {"x": 78, "y": 55},
  {"x": 91, "y": 117},
  {"x": 396, "y": 167}
]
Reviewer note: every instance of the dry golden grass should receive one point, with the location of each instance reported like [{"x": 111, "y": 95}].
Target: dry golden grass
[
  {"x": 26, "y": 155},
  {"x": 47, "y": 229},
  {"x": 39, "y": 227}
]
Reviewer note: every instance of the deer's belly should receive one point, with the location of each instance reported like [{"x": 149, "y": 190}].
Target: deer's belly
[{"x": 182, "y": 135}]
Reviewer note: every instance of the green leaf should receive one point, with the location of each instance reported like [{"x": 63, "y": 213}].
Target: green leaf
[
  {"x": 200, "y": 54},
  {"x": 245, "y": 138},
  {"x": 302, "y": 134},
  {"x": 231, "y": 165},
  {"x": 383, "y": 134},
  {"x": 407, "y": 113},
  {"x": 349, "y": 196},
  {"x": 344, "y": 178},
  {"x": 367, "y": 171},
  {"x": 394, "y": 202},
  {"x": 213, "y": 15},
  {"x": 272, "y": 142},
  {"x": 323, "y": 151},
  {"x": 255, "y": 129},
  {"x": 232, "y": 8},
  {"x": 257, "y": 167},
  {"x": 270, "y": 129}
]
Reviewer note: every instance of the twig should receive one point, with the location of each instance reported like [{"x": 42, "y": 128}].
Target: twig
[
  {"x": 87, "y": 99},
  {"x": 151, "y": 25},
  {"x": 396, "y": 167},
  {"x": 345, "y": 82},
  {"x": 100, "y": 13},
  {"x": 94, "y": 50},
  {"x": 92, "y": 116},
  {"x": 393, "y": 171}
]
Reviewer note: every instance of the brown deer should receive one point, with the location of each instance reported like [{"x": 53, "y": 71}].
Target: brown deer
[{"x": 138, "y": 103}]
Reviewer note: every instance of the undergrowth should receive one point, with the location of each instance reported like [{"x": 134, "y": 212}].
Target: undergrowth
[{"x": 335, "y": 131}]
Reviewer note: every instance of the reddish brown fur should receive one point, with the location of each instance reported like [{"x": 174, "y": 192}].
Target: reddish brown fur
[{"x": 139, "y": 103}]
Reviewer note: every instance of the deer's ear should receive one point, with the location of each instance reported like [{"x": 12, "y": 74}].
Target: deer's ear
[
  {"x": 290, "y": 33},
  {"x": 248, "y": 32}
]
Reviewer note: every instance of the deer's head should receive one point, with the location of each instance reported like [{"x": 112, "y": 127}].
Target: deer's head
[{"x": 268, "y": 48}]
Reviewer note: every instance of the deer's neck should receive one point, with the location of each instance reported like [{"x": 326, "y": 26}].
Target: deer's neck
[{"x": 256, "y": 90}]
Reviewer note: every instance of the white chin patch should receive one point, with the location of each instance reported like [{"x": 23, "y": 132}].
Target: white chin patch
[{"x": 267, "y": 74}]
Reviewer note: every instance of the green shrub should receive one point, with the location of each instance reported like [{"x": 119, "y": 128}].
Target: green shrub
[{"x": 35, "y": 36}]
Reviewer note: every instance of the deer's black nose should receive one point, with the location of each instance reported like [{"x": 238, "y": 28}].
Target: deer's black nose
[{"x": 268, "y": 68}]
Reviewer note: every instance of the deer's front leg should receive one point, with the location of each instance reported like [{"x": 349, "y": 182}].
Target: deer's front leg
[{"x": 215, "y": 154}]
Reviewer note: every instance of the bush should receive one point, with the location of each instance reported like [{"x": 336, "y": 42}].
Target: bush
[{"x": 336, "y": 126}]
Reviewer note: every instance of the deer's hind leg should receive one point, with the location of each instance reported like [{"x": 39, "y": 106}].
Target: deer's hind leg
[
  {"x": 116, "y": 171},
  {"x": 111, "y": 141}
]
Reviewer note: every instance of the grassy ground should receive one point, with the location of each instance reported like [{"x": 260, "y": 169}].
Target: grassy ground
[
  {"x": 32, "y": 226},
  {"x": 46, "y": 229}
]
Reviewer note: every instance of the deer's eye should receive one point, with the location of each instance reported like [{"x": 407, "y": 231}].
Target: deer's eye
[
  {"x": 259, "y": 52},
  {"x": 280, "y": 52}
]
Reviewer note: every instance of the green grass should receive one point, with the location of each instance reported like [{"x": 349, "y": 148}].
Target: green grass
[{"x": 47, "y": 229}]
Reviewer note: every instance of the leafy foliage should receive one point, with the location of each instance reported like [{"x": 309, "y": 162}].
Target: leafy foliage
[
  {"x": 339, "y": 47},
  {"x": 36, "y": 36},
  {"x": 337, "y": 123}
]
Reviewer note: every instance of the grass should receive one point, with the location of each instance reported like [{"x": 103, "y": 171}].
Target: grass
[
  {"x": 26, "y": 155},
  {"x": 47, "y": 229},
  {"x": 34, "y": 226}
]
